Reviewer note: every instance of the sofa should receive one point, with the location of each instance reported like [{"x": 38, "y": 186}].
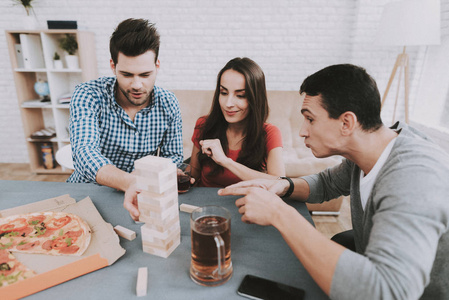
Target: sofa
[{"x": 285, "y": 113}]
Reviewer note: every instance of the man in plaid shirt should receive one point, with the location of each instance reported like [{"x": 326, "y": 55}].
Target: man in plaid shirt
[{"x": 116, "y": 120}]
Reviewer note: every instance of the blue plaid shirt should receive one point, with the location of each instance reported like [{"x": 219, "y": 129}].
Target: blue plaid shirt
[{"x": 102, "y": 133}]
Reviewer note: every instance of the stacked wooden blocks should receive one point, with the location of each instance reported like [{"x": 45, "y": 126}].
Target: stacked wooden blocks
[{"x": 158, "y": 205}]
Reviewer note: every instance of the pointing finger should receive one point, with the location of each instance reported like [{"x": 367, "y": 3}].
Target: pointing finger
[{"x": 233, "y": 191}]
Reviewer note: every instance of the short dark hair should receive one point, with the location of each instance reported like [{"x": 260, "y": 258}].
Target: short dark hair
[
  {"x": 345, "y": 88},
  {"x": 134, "y": 37}
]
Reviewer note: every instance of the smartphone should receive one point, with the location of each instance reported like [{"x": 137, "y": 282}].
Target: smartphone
[{"x": 254, "y": 287}]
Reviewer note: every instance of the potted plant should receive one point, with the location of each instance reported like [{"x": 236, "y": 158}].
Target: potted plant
[
  {"x": 57, "y": 62},
  {"x": 30, "y": 21},
  {"x": 69, "y": 44}
]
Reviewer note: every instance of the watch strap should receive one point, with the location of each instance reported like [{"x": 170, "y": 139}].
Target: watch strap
[{"x": 290, "y": 188}]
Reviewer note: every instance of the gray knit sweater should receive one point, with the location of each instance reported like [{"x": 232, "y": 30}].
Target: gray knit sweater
[{"x": 402, "y": 237}]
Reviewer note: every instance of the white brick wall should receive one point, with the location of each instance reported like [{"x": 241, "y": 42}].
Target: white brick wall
[{"x": 290, "y": 39}]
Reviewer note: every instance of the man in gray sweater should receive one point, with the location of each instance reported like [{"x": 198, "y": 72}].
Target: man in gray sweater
[{"x": 399, "y": 188}]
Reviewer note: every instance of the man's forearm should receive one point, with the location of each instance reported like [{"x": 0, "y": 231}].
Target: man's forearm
[
  {"x": 301, "y": 190},
  {"x": 317, "y": 253},
  {"x": 112, "y": 176}
]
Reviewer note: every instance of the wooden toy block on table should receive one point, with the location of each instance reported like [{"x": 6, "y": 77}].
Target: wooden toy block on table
[
  {"x": 158, "y": 205},
  {"x": 142, "y": 282},
  {"x": 187, "y": 208},
  {"x": 125, "y": 232}
]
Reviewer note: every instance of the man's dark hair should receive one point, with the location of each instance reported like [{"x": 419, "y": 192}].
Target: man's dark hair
[
  {"x": 345, "y": 88},
  {"x": 134, "y": 37}
]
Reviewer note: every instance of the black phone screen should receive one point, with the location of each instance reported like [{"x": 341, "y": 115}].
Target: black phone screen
[{"x": 254, "y": 287}]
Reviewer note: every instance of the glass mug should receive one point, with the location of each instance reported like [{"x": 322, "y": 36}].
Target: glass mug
[
  {"x": 183, "y": 174},
  {"x": 211, "y": 263}
]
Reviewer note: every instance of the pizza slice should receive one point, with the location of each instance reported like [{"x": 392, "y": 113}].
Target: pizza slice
[
  {"x": 54, "y": 233},
  {"x": 11, "y": 270}
]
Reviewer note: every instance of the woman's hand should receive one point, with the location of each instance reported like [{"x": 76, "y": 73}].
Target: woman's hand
[{"x": 214, "y": 150}]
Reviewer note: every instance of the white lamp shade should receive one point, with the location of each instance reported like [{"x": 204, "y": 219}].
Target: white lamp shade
[{"x": 410, "y": 23}]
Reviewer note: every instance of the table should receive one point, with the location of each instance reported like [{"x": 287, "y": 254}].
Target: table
[{"x": 257, "y": 250}]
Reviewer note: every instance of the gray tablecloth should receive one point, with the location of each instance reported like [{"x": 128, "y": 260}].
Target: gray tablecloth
[{"x": 256, "y": 250}]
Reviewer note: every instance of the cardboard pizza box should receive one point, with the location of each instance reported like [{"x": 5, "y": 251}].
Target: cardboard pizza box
[{"x": 104, "y": 248}]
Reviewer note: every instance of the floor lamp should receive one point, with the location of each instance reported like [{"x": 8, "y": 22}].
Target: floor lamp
[{"x": 407, "y": 23}]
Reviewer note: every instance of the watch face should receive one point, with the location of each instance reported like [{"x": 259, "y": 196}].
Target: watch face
[{"x": 41, "y": 88}]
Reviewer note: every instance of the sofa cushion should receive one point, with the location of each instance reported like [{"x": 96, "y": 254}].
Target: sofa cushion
[{"x": 285, "y": 113}]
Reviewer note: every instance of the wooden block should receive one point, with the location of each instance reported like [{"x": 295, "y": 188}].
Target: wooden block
[
  {"x": 142, "y": 282},
  {"x": 156, "y": 177},
  {"x": 147, "y": 214},
  {"x": 163, "y": 244},
  {"x": 159, "y": 252},
  {"x": 162, "y": 226},
  {"x": 125, "y": 232},
  {"x": 145, "y": 207},
  {"x": 158, "y": 201},
  {"x": 148, "y": 233},
  {"x": 187, "y": 208},
  {"x": 154, "y": 163},
  {"x": 146, "y": 184}
]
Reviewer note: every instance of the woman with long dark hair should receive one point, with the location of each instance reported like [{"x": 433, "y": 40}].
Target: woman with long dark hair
[{"x": 234, "y": 142}]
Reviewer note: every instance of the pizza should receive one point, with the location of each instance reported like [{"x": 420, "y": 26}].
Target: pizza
[
  {"x": 52, "y": 233},
  {"x": 12, "y": 270}
]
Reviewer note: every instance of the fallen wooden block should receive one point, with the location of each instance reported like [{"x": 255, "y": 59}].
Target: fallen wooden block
[
  {"x": 142, "y": 282},
  {"x": 187, "y": 208},
  {"x": 125, "y": 232}
]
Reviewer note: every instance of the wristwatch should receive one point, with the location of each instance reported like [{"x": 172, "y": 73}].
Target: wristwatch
[{"x": 290, "y": 188}]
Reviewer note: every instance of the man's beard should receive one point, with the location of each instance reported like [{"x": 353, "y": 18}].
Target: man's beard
[{"x": 136, "y": 102}]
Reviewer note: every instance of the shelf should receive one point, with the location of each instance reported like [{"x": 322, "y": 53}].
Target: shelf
[
  {"x": 57, "y": 170},
  {"x": 36, "y": 104},
  {"x": 30, "y": 70},
  {"x": 48, "y": 106},
  {"x": 52, "y": 140},
  {"x": 31, "y": 53},
  {"x": 65, "y": 70}
]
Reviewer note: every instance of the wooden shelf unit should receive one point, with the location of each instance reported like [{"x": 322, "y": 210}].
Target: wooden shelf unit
[{"x": 60, "y": 82}]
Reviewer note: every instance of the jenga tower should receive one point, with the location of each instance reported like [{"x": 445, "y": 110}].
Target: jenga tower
[{"x": 158, "y": 205}]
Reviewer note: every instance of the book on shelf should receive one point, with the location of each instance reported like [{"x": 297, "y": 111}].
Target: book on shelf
[
  {"x": 36, "y": 103},
  {"x": 65, "y": 99},
  {"x": 33, "y": 56},
  {"x": 46, "y": 133},
  {"x": 19, "y": 55}
]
